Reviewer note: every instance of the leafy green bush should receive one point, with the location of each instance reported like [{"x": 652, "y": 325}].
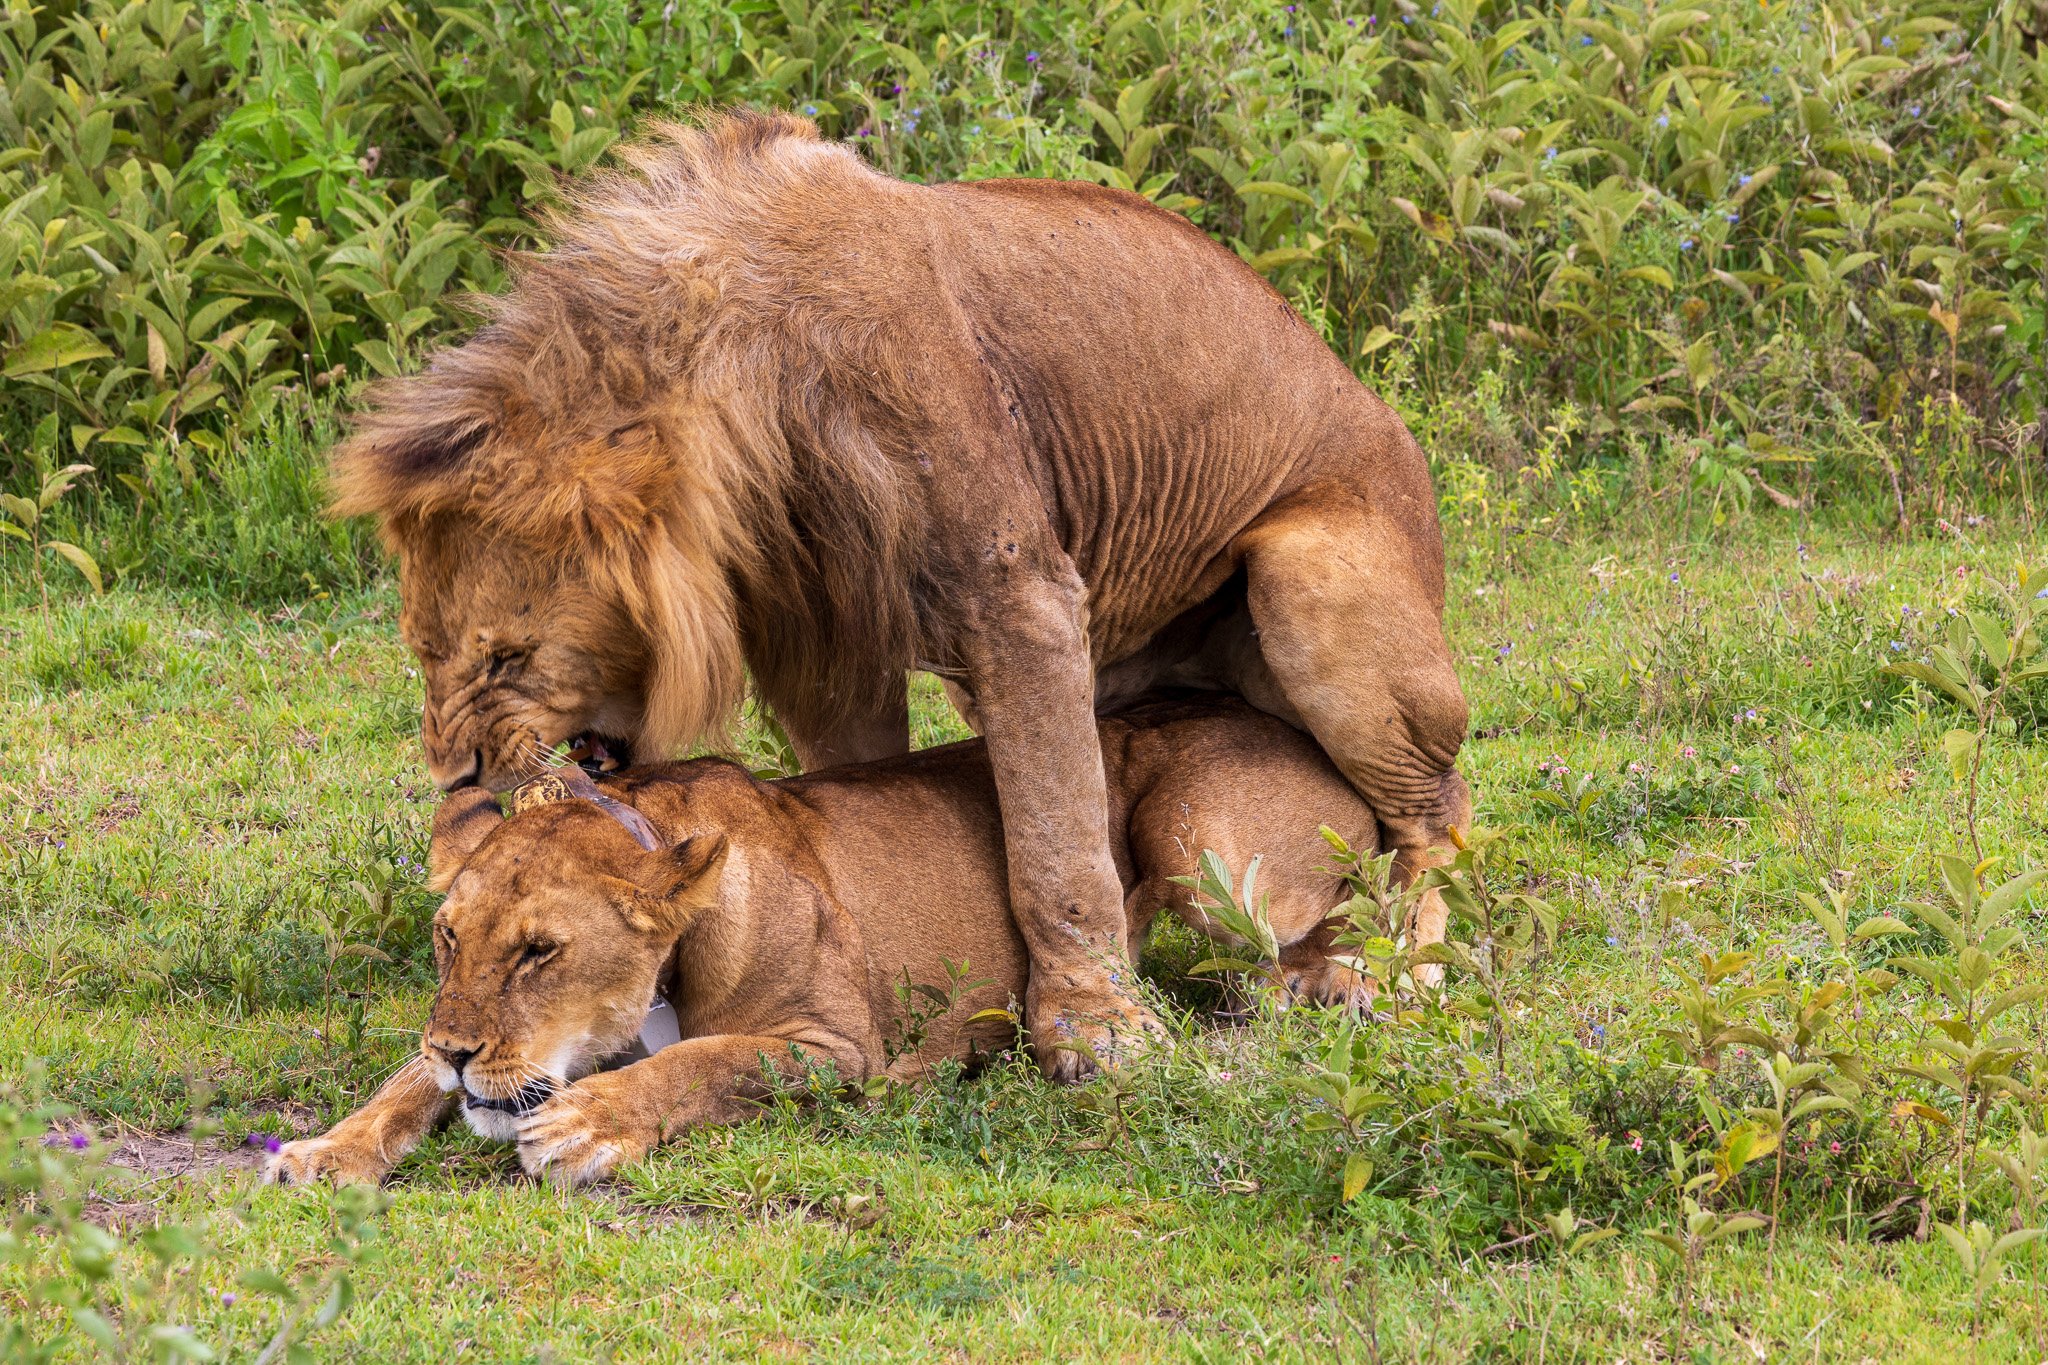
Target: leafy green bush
[{"x": 1784, "y": 249}]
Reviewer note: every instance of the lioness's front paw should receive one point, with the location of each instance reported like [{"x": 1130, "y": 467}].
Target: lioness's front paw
[
  {"x": 577, "y": 1137},
  {"x": 326, "y": 1157},
  {"x": 1076, "y": 1033}
]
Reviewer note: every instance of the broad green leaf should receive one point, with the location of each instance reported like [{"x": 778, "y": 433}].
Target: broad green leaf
[
  {"x": 1357, "y": 1171},
  {"x": 81, "y": 561},
  {"x": 66, "y": 343}
]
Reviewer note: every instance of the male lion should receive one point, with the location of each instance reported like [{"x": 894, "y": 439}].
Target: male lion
[
  {"x": 784, "y": 920},
  {"x": 764, "y": 411}
]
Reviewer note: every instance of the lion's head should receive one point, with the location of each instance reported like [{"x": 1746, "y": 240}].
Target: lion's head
[
  {"x": 551, "y": 942},
  {"x": 645, "y": 459}
]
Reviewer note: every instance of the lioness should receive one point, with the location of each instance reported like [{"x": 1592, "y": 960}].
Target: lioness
[
  {"x": 763, "y": 411},
  {"x": 780, "y": 920}
]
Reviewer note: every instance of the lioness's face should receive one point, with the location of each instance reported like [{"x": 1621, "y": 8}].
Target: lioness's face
[
  {"x": 519, "y": 653},
  {"x": 549, "y": 947}
]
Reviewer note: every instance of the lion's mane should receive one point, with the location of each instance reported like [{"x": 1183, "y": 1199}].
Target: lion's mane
[{"x": 676, "y": 398}]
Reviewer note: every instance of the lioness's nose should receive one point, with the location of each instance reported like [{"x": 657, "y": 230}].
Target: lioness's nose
[{"x": 456, "y": 1057}]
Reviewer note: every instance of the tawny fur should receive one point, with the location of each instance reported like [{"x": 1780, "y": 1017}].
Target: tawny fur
[
  {"x": 764, "y": 415},
  {"x": 792, "y": 914}
]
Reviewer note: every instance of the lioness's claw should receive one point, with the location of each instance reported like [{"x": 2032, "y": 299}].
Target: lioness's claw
[
  {"x": 561, "y": 1141},
  {"x": 312, "y": 1160}
]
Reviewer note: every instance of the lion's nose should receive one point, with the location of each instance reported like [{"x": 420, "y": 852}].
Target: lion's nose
[{"x": 451, "y": 778}]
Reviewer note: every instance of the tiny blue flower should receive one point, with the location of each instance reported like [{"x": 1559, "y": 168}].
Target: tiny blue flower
[
  {"x": 1550, "y": 155},
  {"x": 811, "y": 109},
  {"x": 1502, "y": 653},
  {"x": 1898, "y": 646},
  {"x": 1287, "y": 32},
  {"x": 1887, "y": 41},
  {"x": 1777, "y": 70},
  {"x": 1685, "y": 245},
  {"x": 1674, "y": 575},
  {"x": 2041, "y": 596},
  {"x": 1767, "y": 99},
  {"x": 79, "y": 1142},
  {"x": 1585, "y": 40},
  {"x": 1743, "y": 181},
  {"x": 1913, "y": 110},
  {"x": 1031, "y": 58},
  {"x": 1407, "y": 18},
  {"x": 1613, "y": 942},
  {"x": 1732, "y": 217},
  {"x": 1663, "y": 120},
  {"x": 1599, "y": 1032}
]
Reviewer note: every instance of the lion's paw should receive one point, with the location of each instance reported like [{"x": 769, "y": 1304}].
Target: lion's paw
[
  {"x": 1324, "y": 980},
  {"x": 326, "y": 1158},
  {"x": 1076, "y": 1033},
  {"x": 574, "y": 1139}
]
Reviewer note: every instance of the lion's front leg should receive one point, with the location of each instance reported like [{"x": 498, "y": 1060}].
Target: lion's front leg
[
  {"x": 590, "y": 1129},
  {"x": 363, "y": 1148},
  {"x": 1034, "y": 687}
]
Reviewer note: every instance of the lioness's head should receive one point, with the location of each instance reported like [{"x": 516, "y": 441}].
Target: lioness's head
[{"x": 550, "y": 944}]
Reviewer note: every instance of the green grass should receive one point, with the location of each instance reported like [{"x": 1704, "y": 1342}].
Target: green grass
[{"x": 202, "y": 800}]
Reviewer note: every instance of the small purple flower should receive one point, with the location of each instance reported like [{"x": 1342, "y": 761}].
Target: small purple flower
[
  {"x": 896, "y": 89},
  {"x": 1898, "y": 646},
  {"x": 1750, "y": 715},
  {"x": 1501, "y": 654},
  {"x": 1674, "y": 575},
  {"x": 811, "y": 110},
  {"x": 1550, "y": 154},
  {"x": 1287, "y": 32},
  {"x": 1743, "y": 180},
  {"x": 273, "y": 1144},
  {"x": 1685, "y": 245},
  {"x": 79, "y": 1142},
  {"x": 1613, "y": 942},
  {"x": 227, "y": 1300},
  {"x": 1599, "y": 1032},
  {"x": 1031, "y": 59},
  {"x": 1913, "y": 110},
  {"x": 1585, "y": 40},
  {"x": 1663, "y": 120},
  {"x": 1732, "y": 217},
  {"x": 1888, "y": 41},
  {"x": 1767, "y": 99},
  {"x": 1777, "y": 70}
]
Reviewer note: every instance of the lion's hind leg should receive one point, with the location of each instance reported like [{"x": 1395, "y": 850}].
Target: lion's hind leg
[{"x": 1349, "y": 611}]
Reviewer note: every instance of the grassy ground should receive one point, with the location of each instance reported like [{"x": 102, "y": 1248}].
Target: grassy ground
[{"x": 210, "y": 811}]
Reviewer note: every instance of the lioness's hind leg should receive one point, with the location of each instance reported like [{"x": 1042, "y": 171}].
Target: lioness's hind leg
[{"x": 1348, "y": 607}]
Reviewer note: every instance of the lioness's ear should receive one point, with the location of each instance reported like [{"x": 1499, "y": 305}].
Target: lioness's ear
[
  {"x": 459, "y": 826},
  {"x": 678, "y": 881}
]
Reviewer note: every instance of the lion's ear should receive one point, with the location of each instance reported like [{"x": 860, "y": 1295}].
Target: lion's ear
[
  {"x": 678, "y": 881},
  {"x": 398, "y": 469},
  {"x": 461, "y": 823}
]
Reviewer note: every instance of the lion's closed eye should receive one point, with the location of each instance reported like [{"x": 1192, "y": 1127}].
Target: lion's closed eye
[{"x": 536, "y": 953}]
